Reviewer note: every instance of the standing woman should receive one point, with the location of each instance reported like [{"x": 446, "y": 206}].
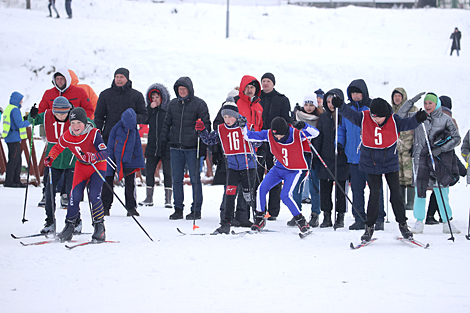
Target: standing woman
[
  {"x": 443, "y": 137},
  {"x": 157, "y": 99},
  {"x": 52, "y": 4}
]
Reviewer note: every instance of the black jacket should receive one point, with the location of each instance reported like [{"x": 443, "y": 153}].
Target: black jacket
[
  {"x": 325, "y": 143},
  {"x": 113, "y": 102},
  {"x": 274, "y": 104},
  {"x": 178, "y": 128},
  {"x": 156, "y": 119}
]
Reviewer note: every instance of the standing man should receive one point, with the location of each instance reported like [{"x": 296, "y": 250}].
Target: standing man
[
  {"x": 274, "y": 104},
  {"x": 455, "y": 36},
  {"x": 68, "y": 8},
  {"x": 349, "y": 136},
  {"x": 179, "y": 132},
  {"x": 63, "y": 86},
  {"x": 112, "y": 103}
]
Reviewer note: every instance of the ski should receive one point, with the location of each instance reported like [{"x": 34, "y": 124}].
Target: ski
[
  {"x": 28, "y": 236},
  {"x": 414, "y": 242},
  {"x": 91, "y": 242},
  {"x": 38, "y": 243},
  {"x": 251, "y": 232},
  {"x": 362, "y": 244},
  {"x": 303, "y": 235},
  {"x": 196, "y": 234}
]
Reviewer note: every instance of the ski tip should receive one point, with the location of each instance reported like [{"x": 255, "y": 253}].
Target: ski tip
[
  {"x": 179, "y": 231},
  {"x": 352, "y": 246},
  {"x": 13, "y": 236},
  {"x": 22, "y": 243}
]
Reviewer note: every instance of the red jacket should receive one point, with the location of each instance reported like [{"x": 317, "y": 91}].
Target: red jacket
[
  {"x": 76, "y": 95},
  {"x": 253, "y": 111}
]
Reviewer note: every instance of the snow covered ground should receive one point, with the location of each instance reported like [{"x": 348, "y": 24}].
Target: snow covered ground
[{"x": 305, "y": 48}]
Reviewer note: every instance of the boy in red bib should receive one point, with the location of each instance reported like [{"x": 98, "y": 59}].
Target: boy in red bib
[
  {"x": 380, "y": 129},
  {"x": 287, "y": 145},
  {"x": 86, "y": 144},
  {"x": 237, "y": 150}
]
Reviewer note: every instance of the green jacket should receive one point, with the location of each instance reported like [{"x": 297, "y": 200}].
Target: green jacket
[{"x": 66, "y": 159}]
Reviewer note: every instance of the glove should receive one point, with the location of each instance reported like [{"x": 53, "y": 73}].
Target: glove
[
  {"x": 436, "y": 151},
  {"x": 298, "y": 124},
  {"x": 421, "y": 116},
  {"x": 242, "y": 121},
  {"x": 297, "y": 107},
  {"x": 34, "y": 111},
  {"x": 340, "y": 149},
  {"x": 48, "y": 161},
  {"x": 417, "y": 97},
  {"x": 200, "y": 125},
  {"x": 337, "y": 101},
  {"x": 25, "y": 117}
]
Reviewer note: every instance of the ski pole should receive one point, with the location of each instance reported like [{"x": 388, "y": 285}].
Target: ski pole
[
  {"x": 438, "y": 183},
  {"x": 198, "y": 176},
  {"x": 336, "y": 166},
  {"x": 468, "y": 233},
  {"x": 52, "y": 198},
  {"x": 110, "y": 188},
  {"x": 29, "y": 170},
  {"x": 331, "y": 174},
  {"x": 248, "y": 178}
]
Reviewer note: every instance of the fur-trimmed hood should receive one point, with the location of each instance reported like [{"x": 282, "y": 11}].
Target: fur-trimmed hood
[{"x": 165, "y": 94}]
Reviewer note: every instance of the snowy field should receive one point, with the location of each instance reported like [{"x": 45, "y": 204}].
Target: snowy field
[{"x": 305, "y": 48}]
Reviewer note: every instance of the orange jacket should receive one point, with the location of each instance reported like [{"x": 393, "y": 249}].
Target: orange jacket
[
  {"x": 250, "y": 108},
  {"x": 89, "y": 91}
]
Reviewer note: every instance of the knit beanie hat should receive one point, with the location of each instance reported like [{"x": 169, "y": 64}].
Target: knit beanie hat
[
  {"x": 122, "y": 71},
  {"x": 61, "y": 105},
  {"x": 78, "y": 114},
  {"x": 16, "y": 98},
  {"x": 432, "y": 97},
  {"x": 269, "y": 76},
  {"x": 230, "y": 108},
  {"x": 279, "y": 126},
  {"x": 312, "y": 99},
  {"x": 379, "y": 108},
  {"x": 319, "y": 93}
]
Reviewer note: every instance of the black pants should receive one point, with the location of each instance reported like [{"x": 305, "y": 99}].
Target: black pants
[
  {"x": 237, "y": 183},
  {"x": 396, "y": 198},
  {"x": 130, "y": 194},
  {"x": 266, "y": 158},
  {"x": 150, "y": 167},
  {"x": 68, "y": 7},
  {"x": 14, "y": 163},
  {"x": 326, "y": 188}
]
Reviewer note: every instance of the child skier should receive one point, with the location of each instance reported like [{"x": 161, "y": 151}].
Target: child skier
[
  {"x": 380, "y": 129},
  {"x": 125, "y": 150},
  {"x": 287, "y": 146},
  {"x": 239, "y": 158},
  {"x": 56, "y": 123},
  {"x": 86, "y": 144}
]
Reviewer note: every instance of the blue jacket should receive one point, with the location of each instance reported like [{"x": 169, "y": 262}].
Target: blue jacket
[
  {"x": 16, "y": 120},
  {"x": 124, "y": 145},
  {"x": 349, "y": 135},
  {"x": 378, "y": 161}
]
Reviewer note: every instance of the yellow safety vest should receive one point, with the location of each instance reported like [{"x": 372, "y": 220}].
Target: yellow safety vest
[{"x": 7, "y": 123}]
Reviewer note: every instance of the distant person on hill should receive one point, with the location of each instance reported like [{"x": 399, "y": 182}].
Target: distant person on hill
[
  {"x": 455, "y": 36},
  {"x": 52, "y": 4},
  {"x": 68, "y": 8}
]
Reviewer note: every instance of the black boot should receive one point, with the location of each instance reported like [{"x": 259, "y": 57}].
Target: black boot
[
  {"x": 260, "y": 221},
  {"x": 223, "y": 229},
  {"x": 194, "y": 215},
  {"x": 368, "y": 233},
  {"x": 339, "y": 223},
  {"x": 292, "y": 222},
  {"x": 302, "y": 223},
  {"x": 405, "y": 231},
  {"x": 99, "y": 233},
  {"x": 313, "y": 220},
  {"x": 67, "y": 233},
  {"x": 326, "y": 220},
  {"x": 178, "y": 215}
]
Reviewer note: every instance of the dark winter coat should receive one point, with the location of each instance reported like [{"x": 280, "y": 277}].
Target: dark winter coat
[
  {"x": 349, "y": 135},
  {"x": 378, "y": 161},
  {"x": 156, "y": 120},
  {"x": 274, "y": 104},
  {"x": 325, "y": 143},
  {"x": 180, "y": 121},
  {"x": 113, "y": 102},
  {"x": 124, "y": 145},
  {"x": 456, "y": 40}
]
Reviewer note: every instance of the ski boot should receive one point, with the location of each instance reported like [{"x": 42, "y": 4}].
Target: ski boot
[
  {"x": 405, "y": 231},
  {"x": 99, "y": 233},
  {"x": 223, "y": 229},
  {"x": 260, "y": 221},
  {"x": 67, "y": 233},
  {"x": 49, "y": 227},
  {"x": 302, "y": 223},
  {"x": 369, "y": 232}
]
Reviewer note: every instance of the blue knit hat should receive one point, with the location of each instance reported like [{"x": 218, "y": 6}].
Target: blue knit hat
[{"x": 16, "y": 98}]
